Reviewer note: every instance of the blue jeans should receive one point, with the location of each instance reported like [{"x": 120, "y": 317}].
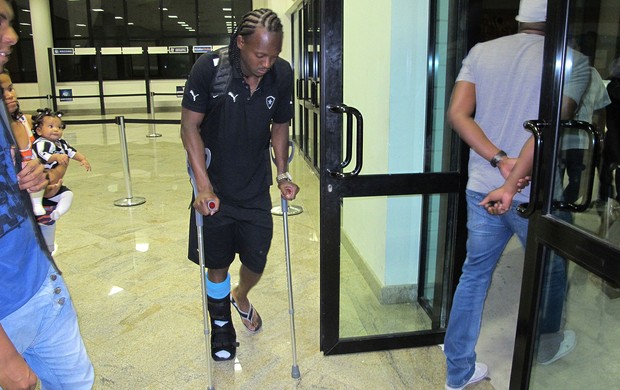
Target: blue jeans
[
  {"x": 488, "y": 235},
  {"x": 45, "y": 331}
]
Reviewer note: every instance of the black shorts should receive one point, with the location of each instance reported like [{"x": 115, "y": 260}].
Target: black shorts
[{"x": 246, "y": 230}]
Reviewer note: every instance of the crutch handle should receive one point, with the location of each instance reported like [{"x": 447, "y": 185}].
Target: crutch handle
[{"x": 210, "y": 204}]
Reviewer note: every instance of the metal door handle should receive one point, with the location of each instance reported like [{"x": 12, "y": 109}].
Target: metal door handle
[
  {"x": 350, "y": 112},
  {"x": 314, "y": 93},
  {"x": 300, "y": 89}
]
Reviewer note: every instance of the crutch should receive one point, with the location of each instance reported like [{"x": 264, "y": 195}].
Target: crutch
[
  {"x": 287, "y": 252},
  {"x": 201, "y": 261}
]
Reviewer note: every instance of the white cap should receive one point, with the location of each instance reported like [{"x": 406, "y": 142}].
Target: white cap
[{"x": 531, "y": 11}]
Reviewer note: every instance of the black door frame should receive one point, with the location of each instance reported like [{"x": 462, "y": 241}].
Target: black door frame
[
  {"x": 332, "y": 190},
  {"x": 546, "y": 232}
]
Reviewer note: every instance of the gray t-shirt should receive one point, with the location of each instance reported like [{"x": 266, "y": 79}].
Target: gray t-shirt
[{"x": 507, "y": 74}]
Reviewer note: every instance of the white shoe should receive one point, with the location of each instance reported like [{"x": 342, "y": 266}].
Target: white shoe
[
  {"x": 566, "y": 347},
  {"x": 481, "y": 372}
]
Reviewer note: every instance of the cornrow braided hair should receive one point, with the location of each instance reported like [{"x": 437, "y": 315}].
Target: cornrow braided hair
[
  {"x": 37, "y": 120},
  {"x": 262, "y": 17}
]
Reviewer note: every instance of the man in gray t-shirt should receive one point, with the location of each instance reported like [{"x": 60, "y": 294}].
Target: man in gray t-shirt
[{"x": 497, "y": 89}]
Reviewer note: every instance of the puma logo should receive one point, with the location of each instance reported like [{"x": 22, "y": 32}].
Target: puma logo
[
  {"x": 194, "y": 95},
  {"x": 234, "y": 97}
]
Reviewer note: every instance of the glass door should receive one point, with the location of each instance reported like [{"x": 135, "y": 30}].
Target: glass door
[
  {"x": 306, "y": 61},
  {"x": 567, "y": 333},
  {"x": 389, "y": 178}
]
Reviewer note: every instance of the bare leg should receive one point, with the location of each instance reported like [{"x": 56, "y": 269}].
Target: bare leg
[
  {"x": 247, "y": 280},
  {"x": 217, "y": 275}
]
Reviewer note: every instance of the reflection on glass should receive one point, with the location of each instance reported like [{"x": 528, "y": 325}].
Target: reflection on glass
[
  {"x": 592, "y": 320},
  {"x": 609, "y": 207},
  {"x": 380, "y": 265},
  {"x": 443, "y": 75},
  {"x": 592, "y": 83}
]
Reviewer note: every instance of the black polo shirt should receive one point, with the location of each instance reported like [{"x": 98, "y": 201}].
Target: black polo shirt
[{"x": 238, "y": 130}]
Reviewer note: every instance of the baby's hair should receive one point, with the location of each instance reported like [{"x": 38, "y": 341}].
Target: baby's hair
[{"x": 37, "y": 120}]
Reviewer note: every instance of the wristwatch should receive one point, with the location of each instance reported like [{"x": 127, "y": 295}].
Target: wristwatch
[
  {"x": 283, "y": 176},
  {"x": 498, "y": 158}
]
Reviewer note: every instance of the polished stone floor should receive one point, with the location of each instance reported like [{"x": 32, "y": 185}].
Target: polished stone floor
[{"x": 138, "y": 297}]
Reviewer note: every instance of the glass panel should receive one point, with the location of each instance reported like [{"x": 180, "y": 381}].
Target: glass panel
[
  {"x": 216, "y": 19},
  {"x": 592, "y": 320},
  {"x": 169, "y": 66},
  {"x": 380, "y": 265},
  {"x": 139, "y": 26},
  {"x": 108, "y": 22},
  {"x": 443, "y": 72},
  {"x": 179, "y": 18},
  {"x": 594, "y": 34},
  {"x": 436, "y": 241},
  {"x": 392, "y": 62},
  {"x": 76, "y": 68},
  {"x": 21, "y": 67},
  {"x": 69, "y": 19}
]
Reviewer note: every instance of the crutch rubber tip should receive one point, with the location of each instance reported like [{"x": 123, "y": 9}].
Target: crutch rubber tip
[{"x": 295, "y": 372}]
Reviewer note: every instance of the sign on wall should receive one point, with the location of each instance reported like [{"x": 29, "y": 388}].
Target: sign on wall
[{"x": 66, "y": 95}]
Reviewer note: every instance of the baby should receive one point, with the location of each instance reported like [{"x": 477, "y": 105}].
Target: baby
[{"x": 53, "y": 151}]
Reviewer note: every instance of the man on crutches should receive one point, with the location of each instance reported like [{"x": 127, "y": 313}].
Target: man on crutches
[{"x": 237, "y": 125}]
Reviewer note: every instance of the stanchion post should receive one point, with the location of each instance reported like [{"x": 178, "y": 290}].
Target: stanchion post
[
  {"x": 49, "y": 100},
  {"x": 153, "y": 133},
  {"x": 130, "y": 200}
]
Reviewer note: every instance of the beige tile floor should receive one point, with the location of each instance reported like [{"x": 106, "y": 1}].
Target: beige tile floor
[{"x": 138, "y": 297}]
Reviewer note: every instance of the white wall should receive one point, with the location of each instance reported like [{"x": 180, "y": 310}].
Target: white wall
[{"x": 385, "y": 79}]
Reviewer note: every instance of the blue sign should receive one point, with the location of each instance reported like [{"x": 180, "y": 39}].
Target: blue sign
[
  {"x": 66, "y": 52},
  {"x": 202, "y": 49},
  {"x": 66, "y": 95}
]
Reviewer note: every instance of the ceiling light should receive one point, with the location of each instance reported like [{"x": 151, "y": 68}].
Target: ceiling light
[
  {"x": 164, "y": 9},
  {"x": 130, "y": 23},
  {"x": 81, "y": 25},
  {"x": 25, "y": 10},
  {"x": 227, "y": 9},
  {"x": 228, "y": 16},
  {"x": 173, "y": 16},
  {"x": 118, "y": 17},
  {"x": 24, "y": 24},
  {"x": 97, "y": 10}
]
